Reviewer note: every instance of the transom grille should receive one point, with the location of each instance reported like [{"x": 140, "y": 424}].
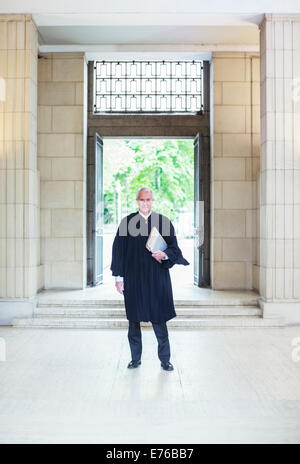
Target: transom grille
[{"x": 148, "y": 86}]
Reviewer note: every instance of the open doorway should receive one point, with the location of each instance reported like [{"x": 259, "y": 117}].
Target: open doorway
[
  {"x": 166, "y": 166},
  {"x": 175, "y": 169},
  {"x": 138, "y": 167},
  {"x": 110, "y": 124}
]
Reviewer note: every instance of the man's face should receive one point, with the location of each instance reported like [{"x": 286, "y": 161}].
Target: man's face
[{"x": 144, "y": 202}]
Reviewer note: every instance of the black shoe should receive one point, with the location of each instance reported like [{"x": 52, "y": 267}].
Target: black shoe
[
  {"x": 167, "y": 366},
  {"x": 134, "y": 364}
]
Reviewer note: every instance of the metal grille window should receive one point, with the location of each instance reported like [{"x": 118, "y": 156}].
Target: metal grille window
[{"x": 148, "y": 86}]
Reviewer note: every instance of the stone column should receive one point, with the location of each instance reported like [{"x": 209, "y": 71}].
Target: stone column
[
  {"x": 20, "y": 273},
  {"x": 280, "y": 166}
]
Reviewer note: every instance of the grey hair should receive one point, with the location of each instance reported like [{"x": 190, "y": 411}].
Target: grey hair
[{"x": 144, "y": 189}]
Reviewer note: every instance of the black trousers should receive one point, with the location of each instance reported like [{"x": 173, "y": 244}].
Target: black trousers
[{"x": 135, "y": 340}]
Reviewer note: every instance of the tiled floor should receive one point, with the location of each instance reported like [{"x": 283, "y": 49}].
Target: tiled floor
[{"x": 73, "y": 386}]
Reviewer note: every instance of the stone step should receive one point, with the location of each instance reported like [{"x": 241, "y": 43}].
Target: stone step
[
  {"x": 115, "y": 323},
  {"x": 113, "y": 312},
  {"x": 118, "y": 303}
]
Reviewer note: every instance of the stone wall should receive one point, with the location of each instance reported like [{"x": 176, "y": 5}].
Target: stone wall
[
  {"x": 62, "y": 164},
  {"x": 236, "y": 121},
  {"x": 235, "y": 182}
]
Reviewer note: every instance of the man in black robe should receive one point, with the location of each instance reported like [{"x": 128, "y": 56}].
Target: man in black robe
[{"x": 143, "y": 277}]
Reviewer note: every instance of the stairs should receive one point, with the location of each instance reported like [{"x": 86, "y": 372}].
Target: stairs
[{"x": 110, "y": 314}]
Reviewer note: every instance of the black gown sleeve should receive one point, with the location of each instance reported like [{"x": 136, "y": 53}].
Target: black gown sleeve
[
  {"x": 119, "y": 253},
  {"x": 173, "y": 251}
]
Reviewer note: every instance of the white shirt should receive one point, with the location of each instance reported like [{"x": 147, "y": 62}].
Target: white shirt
[{"x": 119, "y": 278}]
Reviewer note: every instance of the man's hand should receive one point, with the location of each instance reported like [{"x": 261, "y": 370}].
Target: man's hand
[
  {"x": 120, "y": 287},
  {"x": 158, "y": 255}
]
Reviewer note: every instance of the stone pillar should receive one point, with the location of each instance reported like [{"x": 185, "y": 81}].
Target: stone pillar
[
  {"x": 280, "y": 167},
  {"x": 235, "y": 167},
  {"x": 20, "y": 273}
]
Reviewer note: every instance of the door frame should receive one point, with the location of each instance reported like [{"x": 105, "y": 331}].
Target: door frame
[
  {"x": 149, "y": 126},
  {"x": 98, "y": 212}
]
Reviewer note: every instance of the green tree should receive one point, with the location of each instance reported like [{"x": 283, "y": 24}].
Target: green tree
[{"x": 165, "y": 165}]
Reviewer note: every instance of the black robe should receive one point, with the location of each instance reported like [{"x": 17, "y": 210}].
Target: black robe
[{"x": 147, "y": 291}]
